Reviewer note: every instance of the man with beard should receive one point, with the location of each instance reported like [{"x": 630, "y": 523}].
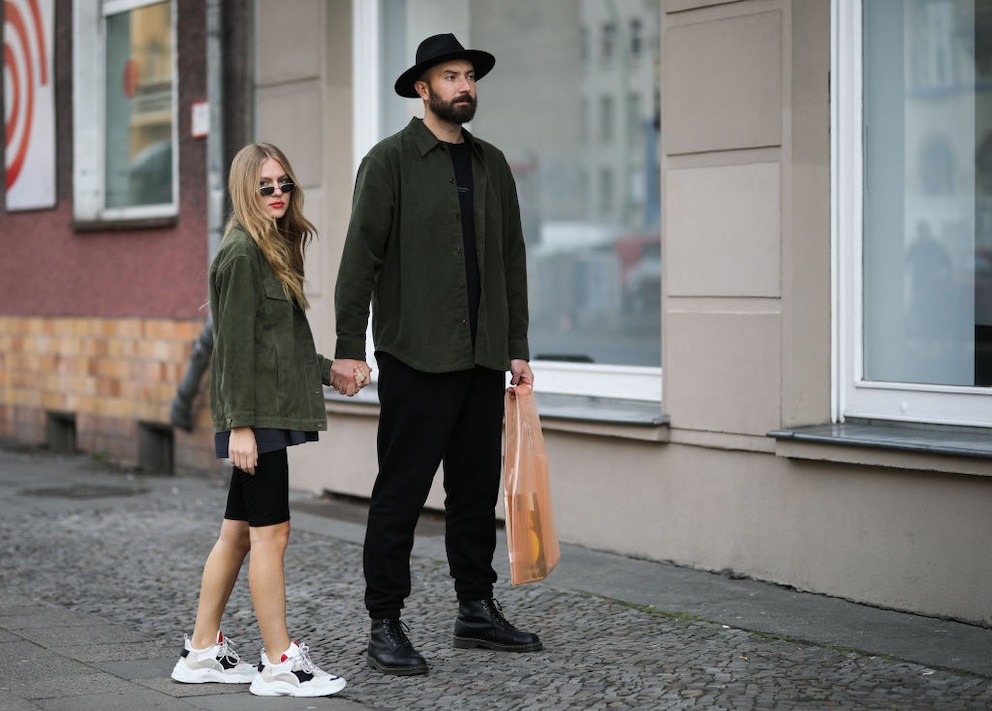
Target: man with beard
[{"x": 435, "y": 244}]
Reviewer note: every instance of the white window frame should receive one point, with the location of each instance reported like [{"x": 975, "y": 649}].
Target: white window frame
[
  {"x": 89, "y": 87},
  {"x": 598, "y": 380},
  {"x": 853, "y": 396}
]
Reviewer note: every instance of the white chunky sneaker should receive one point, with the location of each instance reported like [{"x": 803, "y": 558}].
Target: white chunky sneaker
[
  {"x": 294, "y": 675},
  {"x": 218, "y": 664}
]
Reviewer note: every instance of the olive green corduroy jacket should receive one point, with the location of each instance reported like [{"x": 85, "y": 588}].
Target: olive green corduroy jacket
[
  {"x": 265, "y": 370},
  {"x": 404, "y": 254}
]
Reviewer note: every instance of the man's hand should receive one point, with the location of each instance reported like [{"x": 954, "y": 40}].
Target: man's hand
[
  {"x": 520, "y": 372},
  {"x": 348, "y": 375}
]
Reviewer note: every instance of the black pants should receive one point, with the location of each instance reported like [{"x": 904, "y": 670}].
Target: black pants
[
  {"x": 262, "y": 498},
  {"x": 426, "y": 419}
]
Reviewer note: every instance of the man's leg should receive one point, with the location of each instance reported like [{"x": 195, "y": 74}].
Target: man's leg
[
  {"x": 472, "y": 464},
  {"x": 415, "y": 422},
  {"x": 472, "y": 476},
  {"x": 417, "y": 413}
]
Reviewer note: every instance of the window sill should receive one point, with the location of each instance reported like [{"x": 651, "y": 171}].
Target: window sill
[
  {"x": 365, "y": 403},
  {"x": 120, "y": 225},
  {"x": 606, "y": 417},
  {"x": 963, "y": 450}
]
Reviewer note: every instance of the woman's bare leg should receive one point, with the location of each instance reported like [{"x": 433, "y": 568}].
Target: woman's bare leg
[
  {"x": 220, "y": 572},
  {"x": 267, "y": 580}
]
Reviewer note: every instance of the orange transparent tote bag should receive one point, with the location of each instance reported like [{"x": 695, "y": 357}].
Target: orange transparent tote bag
[{"x": 530, "y": 525}]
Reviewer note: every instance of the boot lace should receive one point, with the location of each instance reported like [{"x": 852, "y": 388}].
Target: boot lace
[
  {"x": 395, "y": 631},
  {"x": 496, "y": 610}
]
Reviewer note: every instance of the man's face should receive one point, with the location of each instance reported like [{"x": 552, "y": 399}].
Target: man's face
[{"x": 451, "y": 91}]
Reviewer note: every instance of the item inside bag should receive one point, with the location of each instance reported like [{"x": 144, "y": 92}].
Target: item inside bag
[{"x": 530, "y": 527}]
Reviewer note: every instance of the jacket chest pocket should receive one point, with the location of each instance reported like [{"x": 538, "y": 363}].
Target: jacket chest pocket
[
  {"x": 289, "y": 348},
  {"x": 274, "y": 332},
  {"x": 276, "y": 306}
]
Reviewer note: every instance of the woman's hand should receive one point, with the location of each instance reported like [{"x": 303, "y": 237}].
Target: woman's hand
[
  {"x": 348, "y": 376},
  {"x": 242, "y": 450}
]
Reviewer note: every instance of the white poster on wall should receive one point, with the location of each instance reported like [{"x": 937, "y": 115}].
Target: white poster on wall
[{"x": 29, "y": 103}]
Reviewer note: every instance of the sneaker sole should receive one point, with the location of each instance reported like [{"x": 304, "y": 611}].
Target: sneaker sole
[
  {"x": 209, "y": 676},
  {"x": 470, "y": 643},
  {"x": 279, "y": 688},
  {"x": 396, "y": 671}
]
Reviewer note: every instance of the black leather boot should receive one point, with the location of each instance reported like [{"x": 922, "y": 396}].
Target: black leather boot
[
  {"x": 391, "y": 652},
  {"x": 481, "y": 623}
]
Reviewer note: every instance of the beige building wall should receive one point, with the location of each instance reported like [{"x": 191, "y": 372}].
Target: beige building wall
[
  {"x": 746, "y": 329},
  {"x": 747, "y": 343},
  {"x": 303, "y": 105}
]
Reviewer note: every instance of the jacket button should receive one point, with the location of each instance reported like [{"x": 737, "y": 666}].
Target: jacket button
[{"x": 464, "y": 322}]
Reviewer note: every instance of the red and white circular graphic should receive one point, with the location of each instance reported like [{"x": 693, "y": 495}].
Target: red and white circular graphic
[{"x": 25, "y": 66}]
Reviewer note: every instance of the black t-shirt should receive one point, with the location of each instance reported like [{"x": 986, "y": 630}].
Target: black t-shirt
[{"x": 461, "y": 158}]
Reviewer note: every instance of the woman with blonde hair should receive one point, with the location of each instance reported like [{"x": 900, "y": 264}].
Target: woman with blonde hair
[{"x": 265, "y": 395}]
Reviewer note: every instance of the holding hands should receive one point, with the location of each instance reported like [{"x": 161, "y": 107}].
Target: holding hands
[{"x": 348, "y": 375}]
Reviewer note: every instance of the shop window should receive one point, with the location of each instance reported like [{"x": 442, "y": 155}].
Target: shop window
[
  {"x": 913, "y": 218},
  {"x": 124, "y": 99},
  {"x": 589, "y": 194}
]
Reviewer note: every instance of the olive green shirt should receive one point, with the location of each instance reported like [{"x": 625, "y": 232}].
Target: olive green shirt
[
  {"x": 265, "y": 370},
  {"x": 404, "y": 254}
]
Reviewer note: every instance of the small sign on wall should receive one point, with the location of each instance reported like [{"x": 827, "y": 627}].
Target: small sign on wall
[
  {"x": 200, "y": 114},
  {"x": 29, "y": 101}
]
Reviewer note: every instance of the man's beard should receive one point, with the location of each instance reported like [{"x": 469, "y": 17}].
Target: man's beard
[{"x": 449, "y": 111}]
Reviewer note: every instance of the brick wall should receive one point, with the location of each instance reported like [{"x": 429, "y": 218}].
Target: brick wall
[{"x": 109, "y": 374}]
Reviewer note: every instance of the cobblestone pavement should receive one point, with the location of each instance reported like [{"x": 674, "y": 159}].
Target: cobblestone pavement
[{"x": 135, "y": 559}]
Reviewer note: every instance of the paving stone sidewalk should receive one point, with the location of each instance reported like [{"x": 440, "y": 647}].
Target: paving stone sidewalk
[{"x": 100, "y": 572}]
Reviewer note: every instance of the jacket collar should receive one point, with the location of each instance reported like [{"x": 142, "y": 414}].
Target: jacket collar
[{"x": 426, "y": 141}]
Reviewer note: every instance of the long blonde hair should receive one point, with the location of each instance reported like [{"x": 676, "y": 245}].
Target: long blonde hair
[{"x": 283, "y": 241}]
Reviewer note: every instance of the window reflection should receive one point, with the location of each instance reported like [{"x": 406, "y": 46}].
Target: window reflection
[
  {"x": 574, "y": 104},
  {"x": 928, "y": 183},
  {"x": 585, "y": 151},
  {"x": 139, "y": 105}
]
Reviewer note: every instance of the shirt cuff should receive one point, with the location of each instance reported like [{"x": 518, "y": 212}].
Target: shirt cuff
[{"x": 351, "y": 348}]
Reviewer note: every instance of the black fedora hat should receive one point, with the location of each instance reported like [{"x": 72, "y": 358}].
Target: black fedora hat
[{"x": 437, "y": 49}]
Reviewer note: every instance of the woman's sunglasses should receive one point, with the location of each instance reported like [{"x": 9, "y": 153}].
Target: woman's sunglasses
[{"x": 270, "y": 189}]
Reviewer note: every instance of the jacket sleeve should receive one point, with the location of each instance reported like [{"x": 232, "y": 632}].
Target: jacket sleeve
[
  {"x": 237, "y": 287},
  {"x": 364, "y": 252},
  {"x": 325, "y": 369},
  {"x": 516, "y": 271}
]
